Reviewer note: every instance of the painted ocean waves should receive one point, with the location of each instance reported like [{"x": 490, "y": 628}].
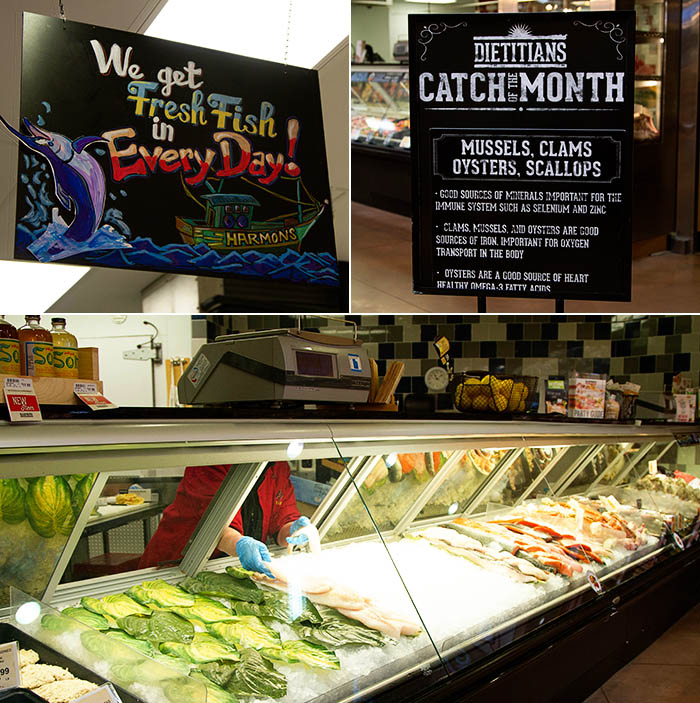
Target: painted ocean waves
[{"x": 114, "y": 244}]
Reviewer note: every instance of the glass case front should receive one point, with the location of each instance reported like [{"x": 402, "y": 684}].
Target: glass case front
[
  {"x": 379, "y": 106},
  {"x": 649, "y": 68},
  {"x": 338, "y": 566}
]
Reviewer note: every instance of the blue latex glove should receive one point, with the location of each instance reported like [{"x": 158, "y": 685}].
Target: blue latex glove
[
  {"x": 253, "y": 555},
  {"x": 297, "y": 524}
]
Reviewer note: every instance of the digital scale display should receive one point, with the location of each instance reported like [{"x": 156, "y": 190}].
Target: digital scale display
[{"x": 314, "y": 364}]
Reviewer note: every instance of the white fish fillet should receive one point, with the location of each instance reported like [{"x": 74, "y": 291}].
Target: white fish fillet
[
  {"x": 468, "y": 548},
  {"x": 322, "y": 591},
  {"x": 456, "y": 539},
  {"x": 368, "y": 616},
  {"x": 306, "y": 583},
  {"x": 339, "y": 597}
]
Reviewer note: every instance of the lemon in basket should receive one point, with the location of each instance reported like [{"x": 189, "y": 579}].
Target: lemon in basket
[
  {"x": 498, "y": 403},
  {"x": 521, "y": 406},
  {"x": 497, "y": 385},
  {"x": 463, "y": 400},
  {"x": 481, "y": 402},
  {"x": 521, "y": 389},
  {"x": 515, "y": 399}
]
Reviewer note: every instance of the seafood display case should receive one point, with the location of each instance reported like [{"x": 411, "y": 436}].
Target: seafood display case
[
  {"x": 447, "y": 558},
  {"x": 380, "y": 137}
]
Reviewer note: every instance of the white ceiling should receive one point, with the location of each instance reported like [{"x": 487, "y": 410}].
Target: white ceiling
[{"x": 263, "y": 29}]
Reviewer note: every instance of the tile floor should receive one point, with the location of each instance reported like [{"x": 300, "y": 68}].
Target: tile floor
[
  {"x": 668, "y": 671},
  {"x": 382, "y": 280}
]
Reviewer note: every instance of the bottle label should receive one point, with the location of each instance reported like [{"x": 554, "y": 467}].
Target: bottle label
[
  {"x": 9, "y": 357},
  {"x": 65, "y": 362},
  {"x": 38, "y": 358}
]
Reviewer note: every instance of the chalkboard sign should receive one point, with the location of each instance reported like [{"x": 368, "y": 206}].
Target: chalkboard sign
[
  {"x": 141, "y": 153},
  {"x": 521, "y": 153}
]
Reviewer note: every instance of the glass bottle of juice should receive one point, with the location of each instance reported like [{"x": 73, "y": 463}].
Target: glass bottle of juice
[
  {"x": 65, "y": 350},
  {"x": 9, "y": 348},
  {"x": 35, "y": 348}
]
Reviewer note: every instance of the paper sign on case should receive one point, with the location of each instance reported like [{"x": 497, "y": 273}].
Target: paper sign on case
[
  {"x": 9, "y": 665},
  {"x": 21, "y": 400},
  {"x": 87, "y": 392},
  {"x": 102, "y": 694}
]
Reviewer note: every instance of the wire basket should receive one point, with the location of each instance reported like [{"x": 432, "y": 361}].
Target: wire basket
[{"x": 480, "y": 392}]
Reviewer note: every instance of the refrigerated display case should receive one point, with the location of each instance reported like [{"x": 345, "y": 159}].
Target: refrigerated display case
[
  {"x": 380, "y": 107},
  {"x": 650, "y": 45},
  {"x": 456, "y": 557},
  {"x": 380, "y": 136}
]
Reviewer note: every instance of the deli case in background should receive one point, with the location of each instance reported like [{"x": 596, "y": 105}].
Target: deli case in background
[
  {"x": 457, "y": 558},
  {"x": 380, "y": 127}
]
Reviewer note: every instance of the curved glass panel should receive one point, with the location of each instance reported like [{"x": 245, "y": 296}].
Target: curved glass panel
[
  {"x": 529, "y": 467},
  {"x": 471, "y": 471},
  {"x": 389, "y": 485},
  {"x": 39, "y": 515}
]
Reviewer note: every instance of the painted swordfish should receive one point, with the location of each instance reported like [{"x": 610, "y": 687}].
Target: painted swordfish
[{"x": 78, "y": 177}]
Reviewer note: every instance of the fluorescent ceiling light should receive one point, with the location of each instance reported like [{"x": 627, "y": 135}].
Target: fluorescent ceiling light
[
  {"x": 257, "y": 28},
  {"x": 433, "y": 2},
  {"x": 25, "y": 286}
]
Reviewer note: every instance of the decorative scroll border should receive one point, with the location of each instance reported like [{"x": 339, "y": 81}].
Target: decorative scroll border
[
  {"x": 614, "y": 31},
  {"x": 430, "y": 31}
]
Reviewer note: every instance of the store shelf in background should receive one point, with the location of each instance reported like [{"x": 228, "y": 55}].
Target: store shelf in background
[{"x": 57, "y": 391}]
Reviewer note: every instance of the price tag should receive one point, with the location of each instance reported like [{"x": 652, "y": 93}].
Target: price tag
[
  {"x": 678, "y": 541},
  {"x": 594, "y": 582},
  {"x": 21, "y": 400},
  {"x": 103, "y": 694},
  {"x": 9, "y": 665},
  {"x": 653, "y": 467},
  {"x": 87, "y": 392}
]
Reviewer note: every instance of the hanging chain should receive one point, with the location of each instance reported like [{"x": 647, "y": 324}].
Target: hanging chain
[
  {"x": 289, "y": 29},
  {"x": 62, "y": 10}
]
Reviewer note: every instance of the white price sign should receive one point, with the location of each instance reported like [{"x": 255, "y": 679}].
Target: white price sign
[
  {"x": 21, "y": 400},
  {"x": 9, "y": 665},
  {"x": 88, "y": 393},
  {"x": 104, "y": 694},
  {"x": 83, "y": 387}
]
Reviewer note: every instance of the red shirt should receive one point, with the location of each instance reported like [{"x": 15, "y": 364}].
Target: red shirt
[{"x": 196, "y": 489}]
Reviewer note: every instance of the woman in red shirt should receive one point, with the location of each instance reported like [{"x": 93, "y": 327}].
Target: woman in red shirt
[{"x": 269, "y": 511}]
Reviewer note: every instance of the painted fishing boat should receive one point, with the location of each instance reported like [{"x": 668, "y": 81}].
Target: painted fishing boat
[{"x": 229, "y": 225}]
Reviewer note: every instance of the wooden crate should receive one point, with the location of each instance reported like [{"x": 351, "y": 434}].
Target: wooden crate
[
  {"x": 89, "y": 363},
  {"x": 56, "y": 391}
]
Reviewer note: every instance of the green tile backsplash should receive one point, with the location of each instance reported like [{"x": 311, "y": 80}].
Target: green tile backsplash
[{"x": 647, "y": 350}]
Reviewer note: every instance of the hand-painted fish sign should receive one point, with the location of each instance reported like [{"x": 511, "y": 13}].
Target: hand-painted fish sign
[{"x": 78, "y": 178}]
